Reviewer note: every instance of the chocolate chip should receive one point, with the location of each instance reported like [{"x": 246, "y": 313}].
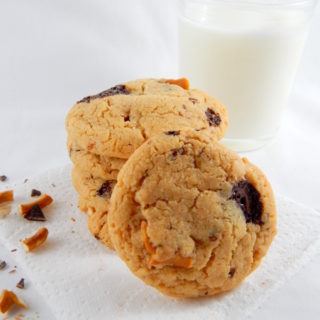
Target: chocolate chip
[
  {"x": 3, "y": 178},
  {"x": 20, "y": 284},
  {"x": 213, "y": 118},
  {"x": 126, "y": 118},
  {"x": 175, "y": 152},
  {"x": 231, "y": 272},
  {"x": 116, "y": 90},
  {"x": 172, "y": 133},
  {"x": 35, "y": 193},
  {"x": 193, "y": 100},
  {"x": 248, "y": 198},
  {"x": 106, "y": 188},
  {"x": 3, "y": 264},
  {"x": 35, "y": 214}
]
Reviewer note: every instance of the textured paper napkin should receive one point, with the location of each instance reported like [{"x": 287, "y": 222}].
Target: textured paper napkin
[{"x": 81, "y": 279}]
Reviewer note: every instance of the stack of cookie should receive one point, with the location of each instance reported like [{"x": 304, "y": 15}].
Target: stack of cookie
[
  {"x": 105, "y": 129},
  {"x": 187, "y": 215}
]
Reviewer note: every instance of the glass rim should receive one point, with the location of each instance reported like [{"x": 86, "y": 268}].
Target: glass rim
[{"x": 266, "y": 3}]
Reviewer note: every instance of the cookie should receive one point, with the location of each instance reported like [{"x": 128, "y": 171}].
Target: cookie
[
  {"x": 117, "y": 121},
  {"x": 97, "y": 220},
  {"x": 94, "y": 199},
  {"x": 189, "y": 216},
  {"x": 92, "y": 164}
]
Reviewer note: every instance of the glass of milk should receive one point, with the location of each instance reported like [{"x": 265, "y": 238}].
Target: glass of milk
[{"x": 245, "y": 53}]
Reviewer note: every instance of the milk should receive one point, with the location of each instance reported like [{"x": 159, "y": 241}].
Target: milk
[{"x": 247, "y": 59}]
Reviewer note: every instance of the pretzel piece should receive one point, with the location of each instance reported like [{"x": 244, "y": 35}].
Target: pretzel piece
[{"x": 36, "y": 240}]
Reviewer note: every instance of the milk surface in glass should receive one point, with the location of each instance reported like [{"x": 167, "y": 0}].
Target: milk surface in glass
[{"x": 246, "y": 56}]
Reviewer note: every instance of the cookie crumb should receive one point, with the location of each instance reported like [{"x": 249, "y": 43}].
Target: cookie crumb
[
  {"x": 3, "y": 264},
  {"x": 20, "y": 284},
  {"x": 3, "y": 178},
  {"x": 53, "y": 185},
  {"x": 25, "y": 180},
  {"x": 35, "y": 193},
  {"x": 12, "y": 271},
  {"x": 73, "y": 219},
  {"x": 13, "y": 250}
]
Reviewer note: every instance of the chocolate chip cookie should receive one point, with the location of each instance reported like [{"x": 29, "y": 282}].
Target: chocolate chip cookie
[
  {"x": 94, "y": 199},
  {"x": 189, "y": 216},
  {"x": 115, "y": 122},
  {"x": 93, "y": 164}
]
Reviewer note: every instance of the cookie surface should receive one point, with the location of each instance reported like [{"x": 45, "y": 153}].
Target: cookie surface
[
  {"x": 189, "y": 216},
  {"x": 92, "y": 164},
  {"x": 117, "y": 121},
  {"x": 94, "y": 199}
]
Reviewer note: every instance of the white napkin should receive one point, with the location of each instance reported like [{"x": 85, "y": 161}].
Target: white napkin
[{"x": 81, "y": 279}]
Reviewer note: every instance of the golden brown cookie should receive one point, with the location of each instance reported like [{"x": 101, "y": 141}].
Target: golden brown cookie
[
  {"x": 94, "y": 199},
  {"x": 94, "y": 165},
  {"x": 189, "y": 216},
  {"x": 115, "y": 122}
]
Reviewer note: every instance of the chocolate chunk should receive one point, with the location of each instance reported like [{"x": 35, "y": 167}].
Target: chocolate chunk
[
  {"x": 231, "y": 272},
  {"x": 116, "y": 90},
  {"x": 172, "y": 133},
  {"x": 213, "y": 118},
  {"x": 35, "y": 193},
  {"x": 175, "y": 152},
  {"x": 3, "y": 264},
  {"x": 126, "y": 118},
  {"x": 3, "y": 178},
  {"x": 106, "y": 188},
  {"x": 35, "y": 214},
  {"x": 193, "y": 100},
  {"x": 248, "y": 198},
  {"x": 20, "y": 284}
]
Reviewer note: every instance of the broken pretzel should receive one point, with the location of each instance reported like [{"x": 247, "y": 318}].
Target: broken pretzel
[
  {"x": 8, "y": 299},
  {"x": 6, "y": 195},
  {"x": 42, "y": 202},
  {"x": 36, "y": 240}
]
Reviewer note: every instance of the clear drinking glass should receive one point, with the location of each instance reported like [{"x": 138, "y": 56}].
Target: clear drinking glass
[{"x": 245, "y": 53}]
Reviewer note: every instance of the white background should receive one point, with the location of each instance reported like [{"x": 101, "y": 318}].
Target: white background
[{"x": 52, "y": 53}]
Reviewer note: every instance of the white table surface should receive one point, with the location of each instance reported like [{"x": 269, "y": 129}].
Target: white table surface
[{"x": 53, "y": 54}]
